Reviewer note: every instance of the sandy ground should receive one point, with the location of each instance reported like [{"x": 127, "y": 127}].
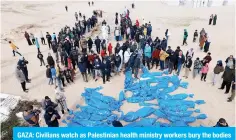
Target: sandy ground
[{"x": 34, "y": 17}]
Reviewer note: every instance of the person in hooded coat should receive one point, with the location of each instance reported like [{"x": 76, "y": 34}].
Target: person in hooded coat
[
  {"x": 156, "y": 57},
  {"x": 27, "y": 37},
  {"x": 217, "y": 70},
  {"x": 163, "y": 55},
  {"x": 221, "y": 123},
  {"x": 214, "y": 19},
  {"x": 176, "y": 53},
  {"x": 21, "y": 78},
  {"x": 51, "y": 117},
  {"x": 188, "y": 66},
  {"x": 127, "y": 55},
  {"x": 227, "y": 76},
  {"x": 50, "y": 60}
]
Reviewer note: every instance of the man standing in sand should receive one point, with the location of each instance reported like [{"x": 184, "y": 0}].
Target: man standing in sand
[
  {"x": 14, "y": 48},
  {"x": 49, "y": 39},
  {"x": 185, "y": 37},
  {"x": 66, "y": 8}
]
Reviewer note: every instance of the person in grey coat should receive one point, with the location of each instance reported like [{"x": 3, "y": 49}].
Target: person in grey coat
[{"x": 21, "y": 78}]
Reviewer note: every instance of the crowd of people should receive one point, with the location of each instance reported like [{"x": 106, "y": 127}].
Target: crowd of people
[{"x": 134, "y": 48}]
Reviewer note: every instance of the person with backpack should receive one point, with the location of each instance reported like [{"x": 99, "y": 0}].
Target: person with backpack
[
  {"x": 217, "y": 70},
  {"x": 40, "y": 57},
  {"x": 49, "y": 75}
]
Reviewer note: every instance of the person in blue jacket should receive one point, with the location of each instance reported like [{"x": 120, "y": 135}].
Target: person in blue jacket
[
  {"x": 37, "y": 44},
  {"x": 180, "y": 62},
  {"x": 54, "y": 37},
  {"x": 149, "y": 29},
  {"x": 148, "y": 54},
  {"x": 164, "y": 44},
  {"x": 51, "y": 117},
  {"x": 83, "y": 66}
]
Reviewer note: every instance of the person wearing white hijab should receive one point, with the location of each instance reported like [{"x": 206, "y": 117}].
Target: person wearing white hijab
[{"x": 190, "y": 53}]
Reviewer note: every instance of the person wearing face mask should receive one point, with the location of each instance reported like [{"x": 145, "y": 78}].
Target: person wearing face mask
[{"x": 51, "y": 117}]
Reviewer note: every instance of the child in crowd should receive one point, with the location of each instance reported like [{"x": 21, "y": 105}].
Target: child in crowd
[{"x": 204, "y": 72}]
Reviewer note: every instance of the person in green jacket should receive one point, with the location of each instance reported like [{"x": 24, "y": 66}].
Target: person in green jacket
[{"x": 185, "y": 37}]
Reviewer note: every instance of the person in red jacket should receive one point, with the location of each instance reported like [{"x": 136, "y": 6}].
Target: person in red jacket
[
  {"x": 137, "y": 23},
  {"x": 156, "y": 57},
  {"x": 103, "y": 53},
  {"x": 109, "y": 49}
]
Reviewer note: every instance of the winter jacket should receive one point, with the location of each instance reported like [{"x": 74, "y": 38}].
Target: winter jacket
[
  {"x": 106, "y": 67},
  {"x": 185, "y": 34},
  {"x": 90, "y": 43},
  {"x": 13, "y": 46},
  {"x": 20, "y": 75},
  {"x": 97, "y": 64},
  {"x": 126, "y": 56},
  {"x": 218, "y": 69},
  {"x": 228, "y": 75},
  {"x": 48, "y": 117},
  {"x": 205, "y": 69},
  {"x": 98, "y": 42},
  {"x": 230, "y": 65},
  {"x": 50, "y": 61},
  {"x": 219, "y": 125},
  {"x": 195, "y": 34},
  {"x": 189, "y": 63},
  {"x": 48, "y": 73},
  {"x": 117, "y": 61},
  {"x": 147, "y": 51},
  {"x": 54, "y": 47},
  {"x": 156, "y": 54},
  {"x": 103, "y": 53},
  {"x": 172, "y": 58},
  {"x": 207, "y": 59},
  {"x": 163, "y": 55},
  {"x": 164, "y": 44},
  {"x": 54, "y": 37},
  {"x": 48, "y": 36},
  {"x": 82, "y": 64},
  {"x": 117, "y": 32},
  {"x": 40, "y": 56},
  {"x": 197, "y": 64},
  {"x": 74, "y": 54},
  {"x": 180, "y": 60}
]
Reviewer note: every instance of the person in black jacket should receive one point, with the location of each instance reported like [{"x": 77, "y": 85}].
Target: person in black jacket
[
  {"x": 221, "y": 123},
  {"x": 98, "y": 44},
  {"x": 51, "y": 117},
  {"x": 50, "y": 60},
  {"x": 188, "y": 66},
  {"x": 40, "y": 57},
  {"x": 49, "y": 75},
  {"x": 49, "y": 39},
  {"x": 117, "y": 64},
  {"x": 74, "y": 57},
  {"x": 90, "y": 44},
  {"x": 176, "y": 55},
  {"x": 172, "y": 60},
  {"x": 105, "y": 68}
]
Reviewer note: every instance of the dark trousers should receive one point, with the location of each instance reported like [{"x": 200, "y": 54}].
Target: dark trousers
[
  {"x": 15, "y": 52},
  {"x": 162, "y": 65},
  {"x": 105, "y": 77},
  {"x": 227, "y": 84},
  {"x": 29, "y": 41},
  {"x": 43, "y": 41},
  {"x": 23, "y": 85},
  {"x": 68, "y": 79},
  {"x": 25, "y": 72},
  {"x": 155, "y": 60},
  {"x": 42, "y": 62},
  {"x": 204, "y": 75},
  {"x": 148, "y": 62},
  {"x": 38, "y": 50},
  {"x": 98, "y": 49},
  {"x": 63, "y": 81},
  {"x": 117, "y": 38},
  {"x": 185, "y": 41},
  {"x": 49, "y": 44}
]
